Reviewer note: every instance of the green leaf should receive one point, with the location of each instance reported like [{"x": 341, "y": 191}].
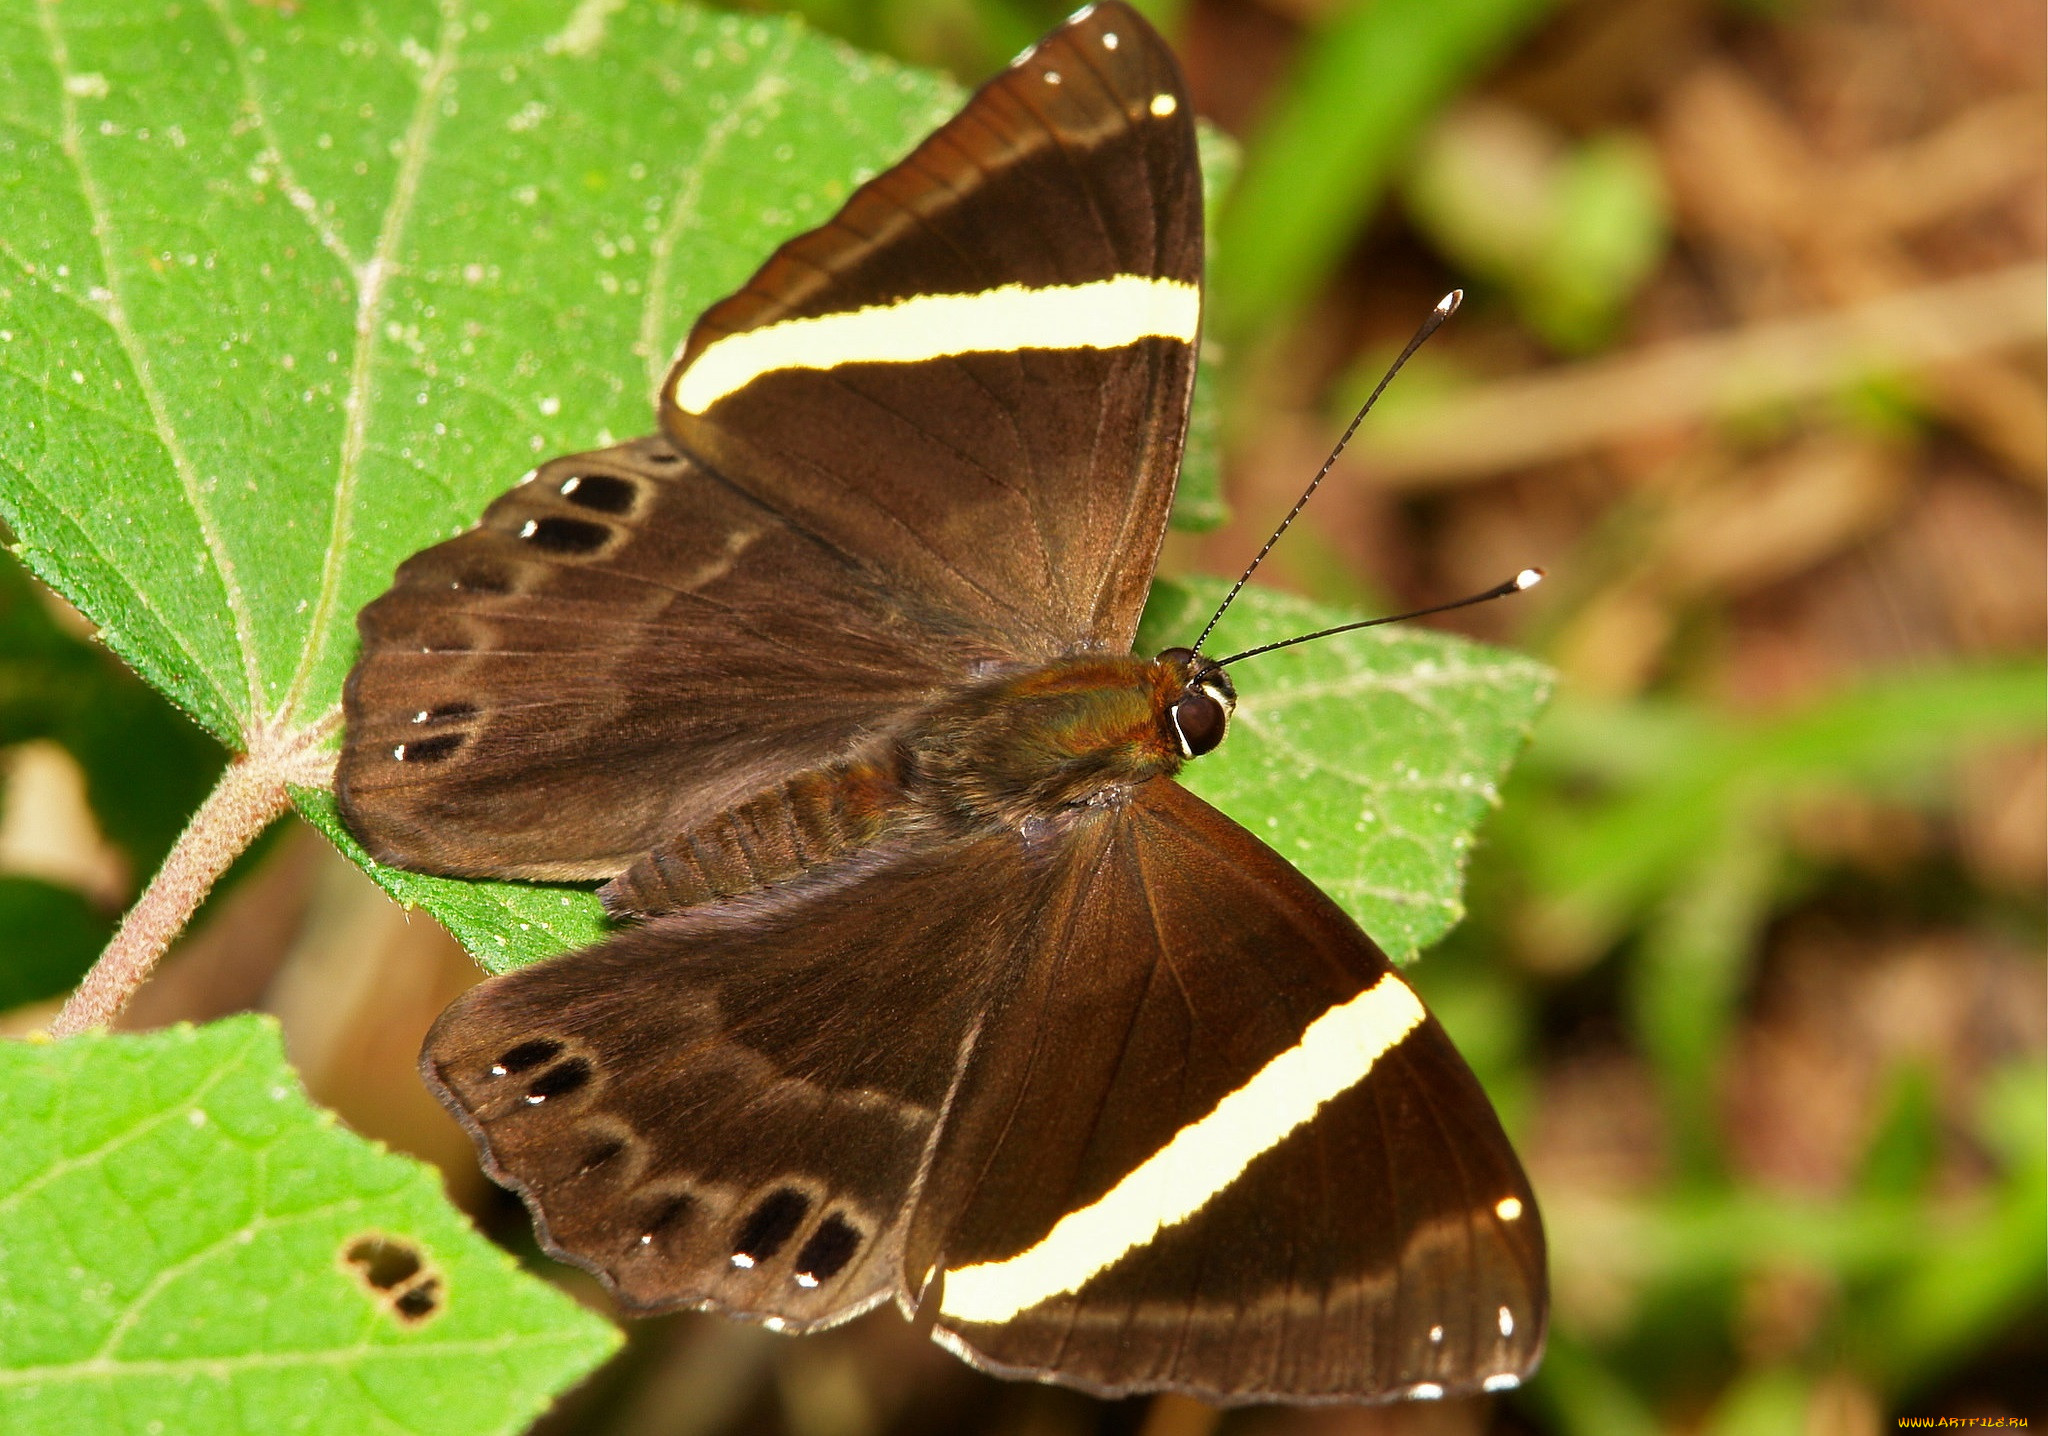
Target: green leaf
[
  {"x": 1367, "y": 759},
  {"x": 503, "y": 925},
  {"x": 1678, "y": 777},
  {"x": 146, "y": 766},
  {"x": 187, "y": 1245},
  {"x": 1571, "y": 229},
  {"x": 49, "y": 936},
  {"x": 291, "y": 292},
  {"x": 1198, "y": 504}
]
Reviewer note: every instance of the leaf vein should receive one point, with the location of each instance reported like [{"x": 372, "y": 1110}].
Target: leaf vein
[
  {"x": 372, "y": 280},
  {"x": 683, "y": 215},
  {"x": 116, "y": 318}
]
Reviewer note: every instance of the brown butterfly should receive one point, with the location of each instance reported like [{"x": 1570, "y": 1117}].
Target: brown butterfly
[{"x": 937, "y": 986}]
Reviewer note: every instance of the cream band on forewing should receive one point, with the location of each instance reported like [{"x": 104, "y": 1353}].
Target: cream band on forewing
[
  {"x": 1104, "y": 314},
  {"x": 1334, "y": 1055}
]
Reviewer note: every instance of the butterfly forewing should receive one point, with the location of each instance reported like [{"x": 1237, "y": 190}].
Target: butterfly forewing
[
  {"x": 610, "y": 658},
  {"x": 981, "y": 367}
]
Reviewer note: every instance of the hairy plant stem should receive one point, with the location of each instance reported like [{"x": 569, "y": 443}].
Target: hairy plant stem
[{"x": 250, "y": 794}]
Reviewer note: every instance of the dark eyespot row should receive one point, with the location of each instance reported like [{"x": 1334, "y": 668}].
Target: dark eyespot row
[
  {"x": 597, "y": 1156},
  {"x": 601, "y": 492},
  {"x": 445, "y": 713},
  {"x": 446, "y": 640},
  {"x": 763, "y": 1234},
  {"x": 672, "y": 1210},
  {"x": 482, "y": 579}
]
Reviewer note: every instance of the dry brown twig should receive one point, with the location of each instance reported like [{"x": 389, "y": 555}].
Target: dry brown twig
[{"x": 1548, "y": 415}]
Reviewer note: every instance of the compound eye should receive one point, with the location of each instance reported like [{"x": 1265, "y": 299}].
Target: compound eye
[{"x": 1200, "y": 721}]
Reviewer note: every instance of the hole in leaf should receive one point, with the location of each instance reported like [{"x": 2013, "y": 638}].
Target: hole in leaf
[
  {"x": 419, "y": 1301},
  {"x": 384, "y": 1262},
  {"x": 396, "y": 1274}
]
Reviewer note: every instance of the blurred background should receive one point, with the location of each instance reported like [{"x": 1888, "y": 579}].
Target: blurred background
[{"x": 1752, "y": 363}]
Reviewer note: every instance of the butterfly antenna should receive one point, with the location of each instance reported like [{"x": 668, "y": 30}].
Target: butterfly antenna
[
  {"x": 1527, "y": 578},
  {"x": 1445, "y": 308}
]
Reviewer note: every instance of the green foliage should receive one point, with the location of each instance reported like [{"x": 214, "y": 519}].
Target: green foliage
[
  {"x": 1366, "y": 83},
  {"x": 1676, "y": 786},
  {"x": 297, "y": 290},
  {"x": 1367, "y": 759},
  {"x": 1664, "y": 829},
  {"x": 1571, "y": 231},
  {"x": 49, "y": 936},
  {"x": 186, "y": 1244},
  {"x": 146, "y": 767}
]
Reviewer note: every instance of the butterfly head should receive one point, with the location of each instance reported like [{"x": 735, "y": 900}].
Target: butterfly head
[{"x": 1200, "y": 702}]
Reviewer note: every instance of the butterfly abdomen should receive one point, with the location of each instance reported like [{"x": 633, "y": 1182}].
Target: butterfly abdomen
[
  {"x": 772, "y": 837},
  {"x": 1004, "y": 753}
]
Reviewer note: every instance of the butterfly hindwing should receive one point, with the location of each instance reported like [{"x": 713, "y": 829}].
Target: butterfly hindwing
[
  {"x": 1017, "y": 1058},
  {"x": 1214, "y": 1144},
  {"x": 977, "y": 374},
  {"x": 761, "y": 1078}
]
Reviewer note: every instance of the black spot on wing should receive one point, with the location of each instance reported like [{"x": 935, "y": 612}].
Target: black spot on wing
[
  {"x": 526, "y": 1056},
  {"x": 770, "y": 1225},
  {"x": 602, "y": 493},
  {"x": 435, "y": 749},
  {"x": 559, "y": 1081},
  {"x": 828, "y": 1251},
  {"x": 568, "y": 537}
]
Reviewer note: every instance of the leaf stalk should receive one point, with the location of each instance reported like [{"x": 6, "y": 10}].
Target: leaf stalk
[{"x": 251, "y": 794}]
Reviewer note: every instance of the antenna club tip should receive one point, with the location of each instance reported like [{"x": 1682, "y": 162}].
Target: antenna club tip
[
  {"x": 1448, "y": 305},
  {"x": 1528, "y": 578}
]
